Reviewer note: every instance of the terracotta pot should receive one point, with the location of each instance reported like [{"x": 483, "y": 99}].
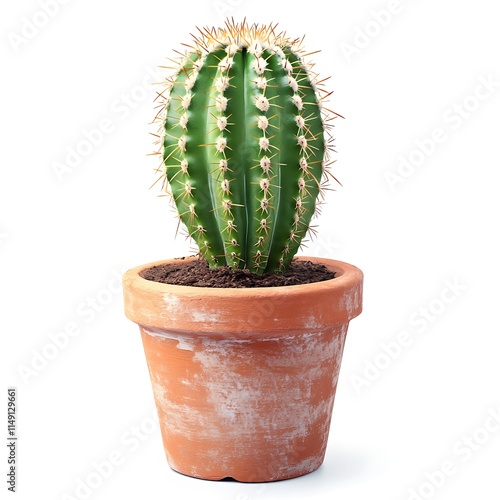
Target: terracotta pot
[{"x": 244, "y": 379}]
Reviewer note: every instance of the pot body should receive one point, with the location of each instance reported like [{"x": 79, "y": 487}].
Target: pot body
[{"x": 244, "y": 380}]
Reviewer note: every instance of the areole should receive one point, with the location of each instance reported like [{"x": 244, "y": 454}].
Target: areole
[{"x": 244, "y": 379}]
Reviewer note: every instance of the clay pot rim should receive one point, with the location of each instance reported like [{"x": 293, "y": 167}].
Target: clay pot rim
[
  {"x": 248, "y": 312},
  {"x": 344, "y": 274}
]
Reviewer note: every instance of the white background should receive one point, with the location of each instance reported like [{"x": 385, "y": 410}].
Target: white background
[{"x": 65, "y": 241}]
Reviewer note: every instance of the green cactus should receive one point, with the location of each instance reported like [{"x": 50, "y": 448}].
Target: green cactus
[{"x": 245, "y": 145}]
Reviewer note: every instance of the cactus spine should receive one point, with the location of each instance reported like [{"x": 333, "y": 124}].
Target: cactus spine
[{"x": 245, "y": 145}]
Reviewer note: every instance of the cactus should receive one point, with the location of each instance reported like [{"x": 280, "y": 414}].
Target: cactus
[{"x": 244, "y": 144}]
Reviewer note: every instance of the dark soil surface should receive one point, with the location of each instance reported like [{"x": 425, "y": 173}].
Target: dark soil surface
[{"x": 197, "y": 273}]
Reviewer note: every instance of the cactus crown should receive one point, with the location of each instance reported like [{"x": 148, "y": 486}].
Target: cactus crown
[{"x": 245, "y": 144}]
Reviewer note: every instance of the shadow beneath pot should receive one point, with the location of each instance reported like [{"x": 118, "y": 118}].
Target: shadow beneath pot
[
  {"x": 339, "y": 467},
  {"x": 347, "y": 465}
]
